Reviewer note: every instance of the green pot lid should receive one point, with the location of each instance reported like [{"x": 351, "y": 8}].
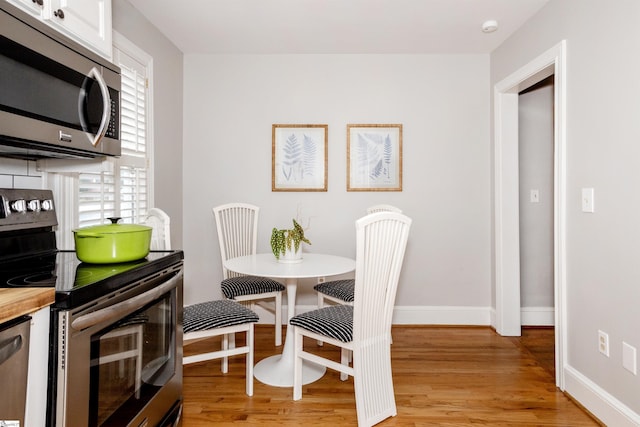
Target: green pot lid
[{"x": 113, "y": 229}]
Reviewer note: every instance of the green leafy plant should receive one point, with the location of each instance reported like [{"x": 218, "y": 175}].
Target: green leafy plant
[{"x": 287, "y": 239}]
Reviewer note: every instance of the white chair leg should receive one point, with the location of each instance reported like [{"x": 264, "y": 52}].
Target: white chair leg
[
  {"x": 345, "y": 358},
  {"x": 225, "y": 346},
  {"x": 297, "y": 366},
  {"x": 232, "y": 337},
  {"x": 232, "y": 340},
  {"x": 320, "y": 305},
  {"x": 278, "y": 320},
  {"x": 249, "y": 361}
]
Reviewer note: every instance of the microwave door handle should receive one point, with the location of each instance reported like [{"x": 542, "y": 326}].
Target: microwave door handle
[
  {"x": 106, "y": 105},
  {"x": 122, "y": 309}
]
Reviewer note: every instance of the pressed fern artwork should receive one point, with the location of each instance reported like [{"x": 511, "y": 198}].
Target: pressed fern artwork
[
  {"x": 299, "y": 158},
  {"x": 374, "y": 157}
]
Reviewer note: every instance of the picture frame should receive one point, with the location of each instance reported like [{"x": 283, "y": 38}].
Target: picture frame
[
  {"x": 299, "y": 157},
  {"x": 374, "y": 157}
]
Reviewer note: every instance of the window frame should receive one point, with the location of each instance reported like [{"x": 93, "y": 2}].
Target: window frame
[{"x": 126, "y": 47}]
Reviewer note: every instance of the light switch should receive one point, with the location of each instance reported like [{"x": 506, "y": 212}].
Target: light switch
[
  {"x": 587, "y": 200},
  {"x": 534, "y": 196}
]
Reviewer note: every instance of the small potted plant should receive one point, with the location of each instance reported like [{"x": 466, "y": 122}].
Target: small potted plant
[{"x": 286, "y": 243}]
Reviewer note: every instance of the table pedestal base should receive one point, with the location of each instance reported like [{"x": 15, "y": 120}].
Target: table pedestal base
[{"x": 276, "y": 371}]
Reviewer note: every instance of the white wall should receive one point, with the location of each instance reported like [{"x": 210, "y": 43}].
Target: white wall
[
  {"x": 231, "y": 101},
  {"x": 603, "y": 129}
]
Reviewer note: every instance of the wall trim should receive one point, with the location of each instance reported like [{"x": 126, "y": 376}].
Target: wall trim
[
  {"x": 537, "y": 316},
  {"x": 442, "y": 315},
  {"x": 601, "y": 404}
]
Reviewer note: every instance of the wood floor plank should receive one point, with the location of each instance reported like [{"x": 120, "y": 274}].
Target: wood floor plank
[{"x": 443, "y": 376}]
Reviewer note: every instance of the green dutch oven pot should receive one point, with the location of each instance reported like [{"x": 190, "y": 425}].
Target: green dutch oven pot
[{"x": 112, "y": 243}]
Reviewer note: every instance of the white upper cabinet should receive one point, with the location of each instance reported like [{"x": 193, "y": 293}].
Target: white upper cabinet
[
  {"x": 86, "y": 21},
  {"x": 34, "y": 7}
]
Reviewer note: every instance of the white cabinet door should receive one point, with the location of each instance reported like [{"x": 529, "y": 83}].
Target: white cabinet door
[
  {"x": 86, "y": 21},
  {"x": 34, "y": 7},
  {"x": 36, "y": 407}
]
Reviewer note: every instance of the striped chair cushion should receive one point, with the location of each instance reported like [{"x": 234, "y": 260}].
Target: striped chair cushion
[
  {"x": 341, "y": 289},
  {"x": 216, "y": 314},
  {"x": 335, "y": 322},
  {"x": 249, "y": 285}
]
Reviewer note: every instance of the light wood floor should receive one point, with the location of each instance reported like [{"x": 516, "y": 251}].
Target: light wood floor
[{"x": 443, "y": 376}]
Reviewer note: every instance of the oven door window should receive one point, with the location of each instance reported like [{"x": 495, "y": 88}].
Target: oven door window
[{"x": 130, "y": 361}]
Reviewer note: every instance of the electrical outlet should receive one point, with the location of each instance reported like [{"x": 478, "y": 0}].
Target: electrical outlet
[
  {"x": 321, "y": 279},
  {"x": 603, "y": 343},
  {"x": 629, "y": 358}
]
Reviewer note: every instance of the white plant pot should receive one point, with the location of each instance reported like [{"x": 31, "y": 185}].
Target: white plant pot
[{"x": 291, "y": 256}]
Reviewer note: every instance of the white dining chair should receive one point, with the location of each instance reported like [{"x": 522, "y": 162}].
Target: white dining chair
[
  {"x": 222, "y": 318},
  {"x": 237, "y": 226},
  {"x": 341, "y": 291},
  {"x": 160, "y": 223},
  {"x": 363, "y": 328}
]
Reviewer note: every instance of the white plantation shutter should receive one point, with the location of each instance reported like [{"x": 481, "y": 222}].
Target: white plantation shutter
[
  {"x": 133, "y": 194},
  {"x": 133, "y": 107},
  {"x": 96, "y": 198},
  {"x": 124, "y": 192}
]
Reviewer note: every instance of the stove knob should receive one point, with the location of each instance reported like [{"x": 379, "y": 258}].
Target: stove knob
[
  {"x": 33, "y": 205},
  {"x": 47, "y": 205},
  {"x": 19, "y": 205}
]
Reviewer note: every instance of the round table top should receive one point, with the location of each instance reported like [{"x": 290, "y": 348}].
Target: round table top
[{"x": 312, "y": 265}]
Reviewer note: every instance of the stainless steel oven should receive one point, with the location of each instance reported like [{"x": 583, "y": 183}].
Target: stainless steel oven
[
  {"x": 118, "y": 358},
  {"x": 116, "y": 329}
]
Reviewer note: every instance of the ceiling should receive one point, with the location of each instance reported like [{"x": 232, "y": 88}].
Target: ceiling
[{"x": 336, "y": 26}]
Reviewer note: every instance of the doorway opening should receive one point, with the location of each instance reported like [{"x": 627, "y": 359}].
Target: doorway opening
[
  {"x": 506, "y": 197},
  {"x": 535, "y": 165}
]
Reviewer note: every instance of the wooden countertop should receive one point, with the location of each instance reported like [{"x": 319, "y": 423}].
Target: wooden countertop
[{"x": 16, "y": 302}]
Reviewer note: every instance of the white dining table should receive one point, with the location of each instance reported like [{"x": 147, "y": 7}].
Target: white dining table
[{"x": 277, "y": 370}]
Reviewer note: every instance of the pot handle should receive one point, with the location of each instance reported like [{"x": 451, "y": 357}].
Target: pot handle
[
  {"x": 88, "y": 234},
  {"x": 114, "y": 219}
]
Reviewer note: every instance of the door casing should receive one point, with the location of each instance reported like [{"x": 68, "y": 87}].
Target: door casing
[{"x": 507, "y": 319}]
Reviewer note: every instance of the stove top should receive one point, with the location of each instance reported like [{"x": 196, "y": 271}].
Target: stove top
[
  {"x": 29, "y": 258},
  {"x": 76, "y": 282}
]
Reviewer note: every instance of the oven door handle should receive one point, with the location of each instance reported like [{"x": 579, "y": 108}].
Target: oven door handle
[{"x": 122, "y": 309}]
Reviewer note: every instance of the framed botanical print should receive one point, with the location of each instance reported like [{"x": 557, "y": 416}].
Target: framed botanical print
[
  {"x": 374, "y": 157},
  {"x": 299, "y": 157}
]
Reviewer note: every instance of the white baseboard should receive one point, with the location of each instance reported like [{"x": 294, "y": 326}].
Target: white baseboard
[
  {"x": 537, "y": 316},
  {"x": 601, "y": 404},
  {"x": 428, "y": 315}
]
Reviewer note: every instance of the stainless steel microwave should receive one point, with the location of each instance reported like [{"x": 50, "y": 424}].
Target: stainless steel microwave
[{"x": 57, "y": 98}]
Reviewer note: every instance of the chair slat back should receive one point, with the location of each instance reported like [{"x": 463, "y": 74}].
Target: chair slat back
[
  {"x": 160, "y": 222},
  {"x": 381, "y": 240},
  {"x": 383, "y": 208},
  {"x": 237, "y": 226}
]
